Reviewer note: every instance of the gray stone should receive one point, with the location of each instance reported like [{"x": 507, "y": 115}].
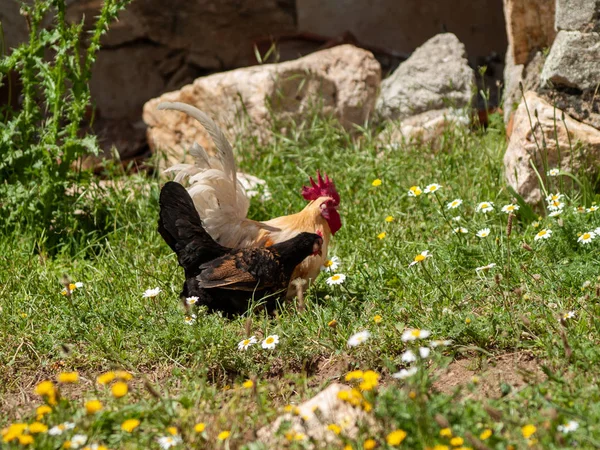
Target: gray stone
[
  {"x": 436, "y": 76},
  {"x": 578, "y": 15},
  {"x": 526, "y": 74},
  {"x": 574, "y": 61}
]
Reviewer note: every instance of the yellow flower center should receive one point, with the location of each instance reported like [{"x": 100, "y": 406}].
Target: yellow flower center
[
  {"x": 269, "y": 340},
  {"x": 335, "y": 278},
  {"x": 415, "y": 333},
  {"x": 420, "y": 258},
  {"x": 328, "y": 263},
  {"x": 587, "y": 236},
  {"x": 376, "y": 182},
  {"x": 246, "y": 342},
  {"x": 542, "y": 233}
]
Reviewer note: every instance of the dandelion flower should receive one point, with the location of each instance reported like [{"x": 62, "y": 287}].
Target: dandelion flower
[
  {"x": 190, "y": 320},
  {"x": 432, "y": 188},
  {"x": 270, "y": 342},
  {"x": 25, "y": 439},
  {"x": 484, "y": 232},
  {"x": 377, "y": 318},
  {"x": 396, "y": 437},
  {"x": 149, "y": 293},
  {"x": 191, "y": 300},
  {"x": 420, "y": 258},
  {"x": 331, "y": 264},
  {"x": 45, "y": 388},
  {"x": 568, "y": 427},
  {"x": 553, "y": 172},
  {"x": 119, "y": 389},
  {"x": 446, "y": 432},
  {"x": 454, "y": 204},
  {"x": 248, "y": 384},
  {"x": 412, "y": 334},
  {"x": 528, "y": 430},
  {"x": 485, "y": 434},
  {"x": 488, "y": 267},
  {"x": 408, "y": 356},
  {"x": 130, "y": 424},
  {"x": 223, "y": 435},
  {"x": 424, "y": 352},
  {"x": 485, "y": 207},
  {"x": 510, "y": 208},
  {"x": 405, "y": 373},
  {"x": 41, "y": 411},
  {"x": 457, "y": 441},
  {"x": 414, "y": 191},
  {"x": 106, "y": 377},
  {"x": 462, "y": 230},
  {"x": 358, "y": 338},
  {"x": 60, "y": 429},
  {"x": 586, "y": 237},
  {"x": 376, "y": 182},
  {"x": 370, "y": 444},
  {"x": 243, "y": 345},
  {"x": 381, "y": 235},
  {"x": 389, "y": 219},
  {"x": 68, "y": 377},
  {"x": 338, "y": 278},
  {"x": 335, "y": 428},
  {"x": 166, "y": 442},
  {"x": 37, "y": 427},
  {"x": 93, "y": 406},
  {"x": 199, "y": 427}
]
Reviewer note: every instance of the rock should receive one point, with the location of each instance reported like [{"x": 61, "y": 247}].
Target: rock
[
  {"x": 574, "y": 61},
  {"x": 313, "y": 416},
  {"x": 424, "y": 127},
  {"x": 436, "y": 76},
  {"x": 578, "y": 15},
  {"x": 342, "y": 81},
  {"x": 529, "y": 27},
  {"x": 522, "y": 146},
  {"x": 526, "y": 74}
]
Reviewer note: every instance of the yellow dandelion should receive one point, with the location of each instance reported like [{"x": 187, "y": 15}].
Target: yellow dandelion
[
  {"x": 412, "y": 395},
  {"x": 457, "y": 441},
  {"x": 377, "y": 318},
  {"x": 446, "y": 432},
  {"x": 25, "y": 439},
  {"x": 119, "y": 389},
  {"x": 68, "y": 377},
  {"x": 382, "y": 235},
  {"x": 123, "y": 375},
  {"x": 130, "y": 424},
  {"x": 172, "y": 431},
  {"x": 106, "y": 378},
  {"x": 376, "y": 182},
  {"x": 528, "y": 430},
  {"x": 370, "y": 444},
  {"x": 37, "y": 427},
  {"x": 389, "y": 219},
  {"x": 485, "y": 434},
  {"x": 467, "y": 321},
  {"x": 335, "y": 428},
  {"x": 199, "y": 427},
  {"x": 354, "y": 375},
  {"x": 45, "y": 388},
  {"x": 367, "y": 407},
  {"x": 93, "y": 406},
  {"x": 441, "y": 447},
  {"x": 224, "y": 435},
  {"x": 248, "y": 384},
  {"x": 42, "y": 410},
  {"x": 396, "y": 437}
]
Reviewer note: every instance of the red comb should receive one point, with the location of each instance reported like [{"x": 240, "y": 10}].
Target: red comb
[{"x": 324, "y": 188}]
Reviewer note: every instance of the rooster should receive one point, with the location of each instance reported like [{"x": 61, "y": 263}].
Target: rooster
[
  {"x": 221, "y": 201},
  {"x": 226, "y": 279}
]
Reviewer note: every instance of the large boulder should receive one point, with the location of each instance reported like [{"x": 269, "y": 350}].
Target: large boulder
[
  {"x": 436, "y": 76},
  {"x": 578, "y": 15},
  {"x": 577, "y": 144},
  {"x": 342, "y": 81}
]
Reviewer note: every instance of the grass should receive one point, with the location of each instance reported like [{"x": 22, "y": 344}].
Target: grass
[{"x": 185, "y": 375}]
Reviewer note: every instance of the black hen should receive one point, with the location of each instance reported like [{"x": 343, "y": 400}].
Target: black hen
[{"x": 222, "y": 278}]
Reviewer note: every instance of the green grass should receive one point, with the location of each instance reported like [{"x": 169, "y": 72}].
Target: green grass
[{"x": 196, "y": 371}]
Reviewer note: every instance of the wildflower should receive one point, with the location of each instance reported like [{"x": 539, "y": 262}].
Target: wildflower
[
  {"x": 377, "y": 318},
  {"x": 414, "y": 191},
  {"x": 462, "y": 230},
  {"x": 358, "y": 338},
  {"x": 338, "y": 278},
  {"x": 331, "y": 264},
  {"x": 248, "y": 384},
  {"x": 354, "y": 375},
  {"x": 93, "y": 406},
  {"x": 119, "y": 389},
  {"x": 408, "y": 356},
  {"x": 45, "y": 388},
  {"x": 396, "y": 437},
  {"x": 335, "y": 428},
  {"x": 457, "y": 441},
  {"x": 424, "y": 352},
  {"x": 332, "y": 323},
  {"x": 405, "y": 373},
  {"x": 130, "y": 424},
  {"x": 510, "y": 208},
  {"x": 41, "y": 411},
  {"x": 106, "y": 378},
  {"x": 485, "y": 434},
  {"x": 412, "y": 334},
  {"x": 420, "y": 258},
  {"x": 485, "y": 207},
  {"x": 484, "y": 232},
  {"x": 389, "y": 219},
  {"x": 60, "y": 429},
  {"x": 568, "y": 427},
  {"x": 223, "y": 435},
  {"x": 172, "y": 430},
  {"x": 439, "y": 343},
  {"x": 78, "y": 440},
  {"x": 25, "y": 439},
  {"x": 151, "y": 292},
  {"x": 243, "y": 345},
  {"x": 543, "y": 234},
  {"x": 592, "y": 208},
  {"x": 446, "y": 432},
  {"x": 556, "y": 205},
  {"x": 376, "y": 182},
  {"x": 441, "y": 447},
  {"x": 190, "y": 320},
  {"x": 191, "y": 300},
  {"x": 370, "y": 444},
  {"x": 535, "y": 224},
  {"x": 554, "y": 197},
  {"x": 488, "y": 267},
  {"x": 68, "y": 377},
  {"x": 37, "y": 427},
  {"x": 586, "y": 237},
  {"x": 199, "y": 427},
  {"x": 556, "y": 213},
  {"x": 467, "y": 321},
  {"x": 454, "y": 204},
  {"x": 381, "y": 235},
  {"x": 14, "y": 431},
  {"x": 553, "y": 172},
  {"x": 370, "y": 381},
  {"x": 456, "y": 218},
  {"x": 123, "y": 375},
  {"x": 528, "y": 430},
  {"x": 166, "y": 442},
  {"x": 568, "y": 315},
  {"x": 270, "y": 342},
  {"x": 579, "y": 209},
  {"x": 432, "y": 188}
]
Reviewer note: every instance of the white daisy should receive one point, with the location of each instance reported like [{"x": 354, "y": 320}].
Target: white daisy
[
  {"x": 167, "y": 442},
  {"x": 151, "y": 292},
  {"x": 543, "y": 234},
  {"x": 568, "y": 427},
  {"x": 553, "y": 172},
  {"x": 586, "y": 237},
  {"x": 488, "y": 267},
  {"x": 358, "y": 338},
  {"x": 414, "y": 191},
  {"x": 597, "y": 230},
  {"x": 420, "y": 257},
  {"x": 454, "y": 204},
  {"x": 510, "y": 208},
  {"x": 191, "y": 300},
  {"x": 441, "y": 342},
  {"x": 332, "y": 264},
  {"x": 338, "y": 278},
  {"x": 461, "y": 230},
  {"x": 456, "y": 218},
  {"x": 243, "y": 345},
  {"x": 592, "y": 208},
  {"x": 78, "y": 284},
  {"x": 555, "y": 205},
  {"x": 484, "y": 207},
  {"x": 569, "y": 315},
  {"x": 432, "y": 188},
  {"x": 553, "y": 197},
  {"x": 190, "y": 320},
  {"x": 405, "y": 373},
  {"x": 412, "y": 334},
  {"x": 424, "y": 352},
  {"x": 60, "y": 429},
  {"x": 78, "y": 440},
  {"x": 556, "y": 213},
  {"x": 270, "y": 342},
  {"x": 485, "y": 232},
  {"x": 409, "y": 356}
]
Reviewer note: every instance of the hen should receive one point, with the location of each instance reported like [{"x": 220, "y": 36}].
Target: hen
[
  {"x": 223, "y": 278},
  {"x": 221, "y": 201}
]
